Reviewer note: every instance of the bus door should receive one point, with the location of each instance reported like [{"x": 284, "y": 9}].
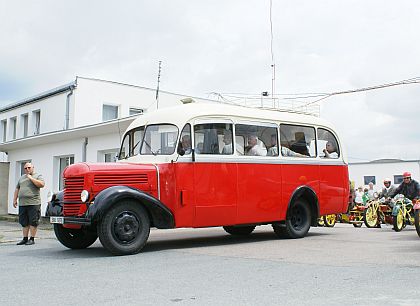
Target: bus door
[{"x": 215, "y": 175}]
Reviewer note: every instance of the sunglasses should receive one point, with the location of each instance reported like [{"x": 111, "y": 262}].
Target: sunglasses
[
  {"x": 407, "y": 178},
  {"x": 27, "y": 168}
]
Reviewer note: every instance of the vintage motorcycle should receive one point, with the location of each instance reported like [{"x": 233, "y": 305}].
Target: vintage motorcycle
[
  {"x": 378, "y": 211},
  {"x": 354, "y": 215},
  {"x": 402, "y": 213}
]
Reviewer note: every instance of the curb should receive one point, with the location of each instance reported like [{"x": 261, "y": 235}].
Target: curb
[{"x": 15, "y": 218}]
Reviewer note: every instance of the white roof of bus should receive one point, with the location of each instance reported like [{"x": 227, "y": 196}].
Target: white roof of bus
[{"x": 181, "y": 114}]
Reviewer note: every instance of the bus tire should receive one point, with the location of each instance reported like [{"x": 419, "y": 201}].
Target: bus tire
[
  {"x": 239, "y": 230},
  {"x": 124, "y": 228},
  {"x": 298, "y": 221},
  {"x": 75, "y": 238}
]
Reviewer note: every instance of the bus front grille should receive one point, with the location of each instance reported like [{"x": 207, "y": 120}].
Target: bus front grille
[{"x": 73, "y": 186}]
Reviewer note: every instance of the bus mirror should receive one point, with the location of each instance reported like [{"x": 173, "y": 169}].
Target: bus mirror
[{"x": 180, "y": 150}]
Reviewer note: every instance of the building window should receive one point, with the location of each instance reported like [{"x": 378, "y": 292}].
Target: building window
[
  {"x": 37, "y": 121},
  {"x": 13, "y": 127},
  {"x": 109, "y": 112},
  {"x": 135, "y": 111},
  {"x": 110, "y": 157},
  {"x": 64, "y": 162},
  {"x": 398, "y": 179},
  {"x": 4, "y": 130},
  {"x": 24, "y": 119},
  {"x": 369, "y": 179}
]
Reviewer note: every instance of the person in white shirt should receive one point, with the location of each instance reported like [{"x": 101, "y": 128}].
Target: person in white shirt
[
  {"x": 330, "y": 150},
  {"x": 253, "y": 147},
  {"x": 227, "y": 140}
]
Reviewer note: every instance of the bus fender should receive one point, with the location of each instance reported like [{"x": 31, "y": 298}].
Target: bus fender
[
  {"x": 55, "y": 205},
  {"x": 160, "y": 215},
  {"x": 311, "y": 198}
]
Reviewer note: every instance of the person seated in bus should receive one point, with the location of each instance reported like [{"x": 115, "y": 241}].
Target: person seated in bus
[
  {"x": 186, "y": 143},
  {"x": 227, "y": 140},
  {"x": 300, "y": 145},
  {"x": 254, "y": 148},
  {"x": 273, "y": 150},
  {"x": 199, "y": 148},
  {"x": 330, "y": 150}
]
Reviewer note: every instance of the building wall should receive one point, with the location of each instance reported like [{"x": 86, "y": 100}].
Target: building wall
[
  {"x": 357, "y": 171},
  {"x": 52, "y": 110},
  {"x": 4, "y": 182}
]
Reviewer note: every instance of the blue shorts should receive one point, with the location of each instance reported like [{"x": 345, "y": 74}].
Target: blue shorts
[{"x": 29, "y": 215}]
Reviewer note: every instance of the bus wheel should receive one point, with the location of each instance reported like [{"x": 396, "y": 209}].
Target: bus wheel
[
  {"x": 75, "y": 238},
  {"x": 239, "y": 230},
  {"x": 298, "y": 221},
  {"x": 124, "y": 229}
]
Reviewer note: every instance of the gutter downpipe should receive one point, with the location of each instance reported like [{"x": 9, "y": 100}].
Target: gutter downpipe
[
  {"x": 84, "y": 149},
  {"x": 67, "y": 123}
]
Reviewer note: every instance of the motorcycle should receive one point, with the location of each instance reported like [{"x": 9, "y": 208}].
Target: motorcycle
[
  {"x": 378, "y": 211},
  {"x": 354, "y": 215},
  {"x": 402, "y": 213}
]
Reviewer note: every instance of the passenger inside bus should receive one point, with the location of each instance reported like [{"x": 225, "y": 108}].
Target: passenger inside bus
[
  {"x": 186, "y": 143},
  {"x": 227, "y": 140},
  {"x": 253, "y": 148},
  {"x": 273, "y": 150},
  {"x": 300, "y": 145},
  {"x": 330, "y": 150}
]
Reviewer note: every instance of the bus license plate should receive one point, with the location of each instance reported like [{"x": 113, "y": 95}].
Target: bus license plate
[{"x": 57, "y": 220}]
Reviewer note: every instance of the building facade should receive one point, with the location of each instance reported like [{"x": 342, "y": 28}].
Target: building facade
[
  {"x": 376, "y": 171},
  {"x": 80, "y": 121}
]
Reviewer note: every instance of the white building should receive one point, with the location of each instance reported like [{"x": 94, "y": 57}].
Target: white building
[
  {"x": 376, "y": 171},
  {"x": 80, "y": 121}
]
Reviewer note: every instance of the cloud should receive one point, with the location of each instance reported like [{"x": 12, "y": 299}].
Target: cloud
[{"x": 225, "y": 46}]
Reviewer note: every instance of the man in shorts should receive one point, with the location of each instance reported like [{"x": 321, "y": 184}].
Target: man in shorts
[{"x": 27, "y": 191}]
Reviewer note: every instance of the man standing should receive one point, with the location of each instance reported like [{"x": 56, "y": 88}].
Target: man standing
[{"x": 27, "y": 190}]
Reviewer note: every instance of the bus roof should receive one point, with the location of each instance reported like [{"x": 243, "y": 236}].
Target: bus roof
[{"x": 181, "y": 114}]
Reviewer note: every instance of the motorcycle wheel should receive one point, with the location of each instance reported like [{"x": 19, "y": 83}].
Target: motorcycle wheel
[
  {"x": 370, "y": 217},
  {"x": 329, "y": 220},
  {"x": 398, "y": 221},
  {"x": 417, "y": 221}
]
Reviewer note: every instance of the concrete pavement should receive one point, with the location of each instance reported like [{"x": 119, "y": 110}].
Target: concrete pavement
[{"x": 11, "y": 231}]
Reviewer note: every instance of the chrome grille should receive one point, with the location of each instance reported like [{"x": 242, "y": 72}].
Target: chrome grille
[
  {"x": 120, "y": 179},
  {"x": 73, "y": 186}
]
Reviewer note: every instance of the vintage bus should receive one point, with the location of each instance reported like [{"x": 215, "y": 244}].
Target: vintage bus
[{"x": 205, "y": 165}]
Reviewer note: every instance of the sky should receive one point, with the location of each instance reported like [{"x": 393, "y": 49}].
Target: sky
[{"x": 228, "y": 47}]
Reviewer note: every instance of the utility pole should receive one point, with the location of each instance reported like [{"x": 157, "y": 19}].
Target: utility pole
[{"x": 157, "y": 88}]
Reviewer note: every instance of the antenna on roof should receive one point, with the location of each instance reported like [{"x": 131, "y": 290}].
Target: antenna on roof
[{"x": 157, "y": 88}]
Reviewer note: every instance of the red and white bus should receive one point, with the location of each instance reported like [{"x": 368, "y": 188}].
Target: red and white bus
[{"x": 202, "y": 165}]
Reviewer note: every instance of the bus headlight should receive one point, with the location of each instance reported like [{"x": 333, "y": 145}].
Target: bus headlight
[{"x": 84, "y": 196}]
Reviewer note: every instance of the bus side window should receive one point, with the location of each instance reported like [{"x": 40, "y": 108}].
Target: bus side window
[
  {"x": 327, "y": 144},
  {"x": 297, "y": 141},
  {"x": 256, "y": 140},
  {"x": 213, "y": 138}
]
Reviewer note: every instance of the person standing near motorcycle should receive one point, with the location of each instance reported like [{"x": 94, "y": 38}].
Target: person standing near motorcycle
[{"x": 409, "y": 188}]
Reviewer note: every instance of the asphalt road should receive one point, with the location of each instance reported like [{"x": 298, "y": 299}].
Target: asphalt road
[{"x": 331, "y": 266}]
